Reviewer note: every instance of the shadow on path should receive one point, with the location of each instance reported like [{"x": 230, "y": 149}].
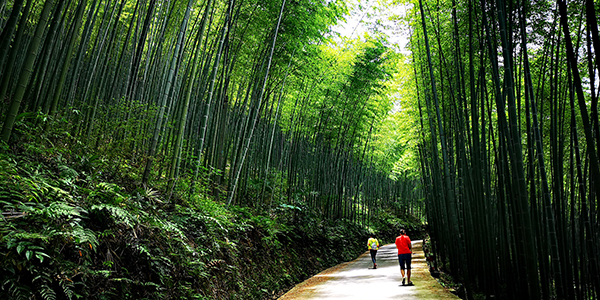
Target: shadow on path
[{"x": 358, "y": 280}]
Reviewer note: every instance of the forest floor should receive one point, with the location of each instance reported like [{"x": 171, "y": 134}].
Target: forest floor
[{"x": 358, "y": 280}]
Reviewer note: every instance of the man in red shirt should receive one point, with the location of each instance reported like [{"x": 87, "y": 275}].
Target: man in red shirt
[{"x": 404, "y": 246}]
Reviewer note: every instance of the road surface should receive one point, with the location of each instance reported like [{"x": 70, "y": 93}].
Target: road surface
[{"x": 358, "y": 280}]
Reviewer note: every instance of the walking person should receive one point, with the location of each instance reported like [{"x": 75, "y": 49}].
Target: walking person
[
  {"x": 373, "y": 245},
  {"x": 404, "y": 246}
]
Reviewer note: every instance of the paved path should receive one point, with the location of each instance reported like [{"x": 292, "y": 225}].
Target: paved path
[{"x": 357, "y": 280}]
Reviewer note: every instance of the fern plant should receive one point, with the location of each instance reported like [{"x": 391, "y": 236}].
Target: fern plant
[
  {"x": 47, "y": 292},
  {"x": 61, "y": 210},
  {"x": 108, "y": 193},
  {"x": 119, "y": 215},
  {"x": 13, "y": 289},
  {"x": 67, "y": 286}
]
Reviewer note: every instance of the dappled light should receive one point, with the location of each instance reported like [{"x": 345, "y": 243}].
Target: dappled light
[
  {"x": 358, "y": 280},
  {"x": 204, "y": 149}
]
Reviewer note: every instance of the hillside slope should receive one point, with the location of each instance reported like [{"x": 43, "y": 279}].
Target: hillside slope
[{"x": 78, "y": 226}]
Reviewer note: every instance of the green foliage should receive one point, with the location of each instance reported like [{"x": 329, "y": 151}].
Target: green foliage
[
  {"x": 118, "y": 214},
  {"x": 389, "y": 224},
  {"x": 77, "y": 223},
  {"x": 108, "y": 193},
  {"x": 96, "y": 240}
]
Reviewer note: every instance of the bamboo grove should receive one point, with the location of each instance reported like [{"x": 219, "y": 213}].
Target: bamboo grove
[
  {"x": 507, "y": 106},
  {"x": 237, "y": 99}
]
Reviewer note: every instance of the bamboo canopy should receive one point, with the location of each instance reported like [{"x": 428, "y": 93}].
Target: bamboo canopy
[{"x": 494, "y": 142}]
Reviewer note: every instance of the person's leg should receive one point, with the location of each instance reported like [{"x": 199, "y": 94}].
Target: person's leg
[
  {"x": 402, "y": 266},
  {"x": 375, "y": 259},
  {"x": 373, "y": 253},
  {"x": 408, "y": 268}
]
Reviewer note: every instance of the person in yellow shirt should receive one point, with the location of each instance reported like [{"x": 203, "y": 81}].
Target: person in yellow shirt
[{"x": 373, "y": 245}]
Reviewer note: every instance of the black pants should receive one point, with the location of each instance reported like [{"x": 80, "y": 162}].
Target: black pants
[{"x": 373, "y": 254}]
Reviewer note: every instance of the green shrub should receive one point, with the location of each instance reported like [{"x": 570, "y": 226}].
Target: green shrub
[{"x": 75, "y": 226}]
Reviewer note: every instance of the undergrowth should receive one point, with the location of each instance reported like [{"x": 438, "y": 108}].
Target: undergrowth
[{"x": 75, "y": 225}]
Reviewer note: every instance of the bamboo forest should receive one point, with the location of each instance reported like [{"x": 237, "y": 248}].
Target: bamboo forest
[{"x": 204, "y": 149}]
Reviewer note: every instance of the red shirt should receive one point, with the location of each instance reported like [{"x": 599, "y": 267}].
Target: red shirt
[{"x": 403, "y": 244}]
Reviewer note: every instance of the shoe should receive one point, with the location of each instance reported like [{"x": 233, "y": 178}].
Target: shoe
[
  {"x": 403, "y": 280},
  {"x": 410, "y": 283},
  {"x": 375, "y": 266}
]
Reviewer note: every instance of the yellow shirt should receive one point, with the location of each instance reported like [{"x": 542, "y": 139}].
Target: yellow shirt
[{"x": 371, "y": 241}]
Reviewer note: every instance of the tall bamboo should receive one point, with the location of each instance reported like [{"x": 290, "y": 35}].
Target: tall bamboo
[
  {"x": 241, "y": 164},
  {"x": 25, "y": 74},
  {"x": 165, "y": 95}
]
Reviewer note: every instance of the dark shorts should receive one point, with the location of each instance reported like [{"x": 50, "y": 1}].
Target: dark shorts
[{"x": 404, "y": 260}]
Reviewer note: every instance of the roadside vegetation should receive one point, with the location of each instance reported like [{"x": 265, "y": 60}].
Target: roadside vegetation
[
  {"x": 74, "y": 225},
  {"x": 193, "y": 149},
  {"x": 506, "y": 105},
  {"x": 229, "y": 149}
]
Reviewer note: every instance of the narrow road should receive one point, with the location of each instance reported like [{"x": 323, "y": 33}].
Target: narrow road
[{"x": 358, "y": 280}]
